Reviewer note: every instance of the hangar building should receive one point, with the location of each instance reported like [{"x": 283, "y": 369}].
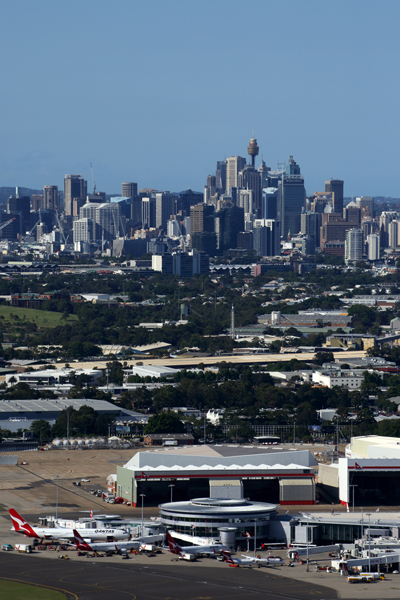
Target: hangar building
[
  {"x": 370, "y": 470},
  {"x": 225, "y": 472}
]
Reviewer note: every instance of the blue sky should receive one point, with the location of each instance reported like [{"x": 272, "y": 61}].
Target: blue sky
[{"x": 156, "y": 92}]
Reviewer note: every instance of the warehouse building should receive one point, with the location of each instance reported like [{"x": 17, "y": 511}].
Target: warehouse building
[
  {"x": 19, "y": 414},
  {"x": 229, "y": 472}
]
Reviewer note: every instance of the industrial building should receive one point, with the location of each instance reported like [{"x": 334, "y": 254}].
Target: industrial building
[
  {"x": 19, "y": 414},
  {"x": 231, "y": 472},
  {"x": 368, "y": 475}
]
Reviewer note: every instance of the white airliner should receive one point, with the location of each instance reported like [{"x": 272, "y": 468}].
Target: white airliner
[
  {"x": 103, "y": 546},
  {"x": 62, "y": 533},
  {"x": 183, "y": 550},
  {"x": 248, "y": 561}
]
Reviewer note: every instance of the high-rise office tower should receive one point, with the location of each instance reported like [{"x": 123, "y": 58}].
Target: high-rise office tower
[
  {"x": 74, "y": 187},
  {"x": 310, "y": 225},
  {"x": 37, "y": 202},
  {"x": 263, "y": 171},
  {"x": 335, "y": 186},
  {"x": 266, "y": 237},
  {"x": 220, "y": 176},
  {"x": 164, "y": 209},
  {"x": 385, "y": 218},
  {"x": 201, "y": 218},
  {"x": 148, "y": 212},
  {"x": 107, "y": 219},
  {"x": 374, "y": 250},
  {"x": 291, "y": 199},
  {"x": 129, "y": 190},
  {"x": 249, "y": 179},
  {"x": 228, "y": 223},
  {"x": 270, "y": 203},
  {"x": 234, "y": 164},
  {"x": 20, "y": 206},
  {"x": 353, "y": 245},
  {"x": 51, "y": 197}
]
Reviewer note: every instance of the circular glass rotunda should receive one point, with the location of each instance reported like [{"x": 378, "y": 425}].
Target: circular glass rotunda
[{"x": 204, "y": 516}]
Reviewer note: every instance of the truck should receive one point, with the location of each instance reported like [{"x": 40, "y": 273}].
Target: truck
[{"x": 27, "y": 548}]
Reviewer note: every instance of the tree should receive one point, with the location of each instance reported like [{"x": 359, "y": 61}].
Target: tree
[
  {"x": 164, "y": 423},
  {"x": 324, "y": 357},
  {"x": 41, "y": 429}
]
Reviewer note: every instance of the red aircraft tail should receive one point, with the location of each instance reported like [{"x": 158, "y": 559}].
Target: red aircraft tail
[
  {"x": 173, "y": 546},
  {"x": 228, "y": 558},
  {"x": 20, "y": 525},
  {"x": 80, "y": 542}
]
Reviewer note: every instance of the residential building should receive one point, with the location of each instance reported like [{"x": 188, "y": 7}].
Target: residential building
[
  {"x": 353, "y": 248},
  {"x": 373, "y": 242},
  {"x": 83, "y": 230}
]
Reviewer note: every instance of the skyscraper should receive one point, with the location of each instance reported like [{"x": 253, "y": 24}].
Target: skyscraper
[
  {"x": 201, "y": 218},
  {"x": 335, "y": 186},
  {"x": 20, "y": 207},
  {"x": 266, "y": 237},
  {"x": 51, "y": 197},
  {"x": 74, "y": 187},
  {"x": 310, "y": 225},
  {"x": 129, "y": 190},
  {"x": 164, "y": 209},
  {"x": 228, "y": 223},
  {"x": 234, "y": 164},
  {"x": 291, "y": 199}
]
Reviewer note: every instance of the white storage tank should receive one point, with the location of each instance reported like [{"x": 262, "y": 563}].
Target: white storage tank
[
  {"x": 80, "y": 442},
  {"x": 72, "y": 442},
  {"x": 275, "y": 317},
  {"x": 56, "y": 442},
  {"x": 65, "y": 442},
  {"x": 88, "y": 442}
]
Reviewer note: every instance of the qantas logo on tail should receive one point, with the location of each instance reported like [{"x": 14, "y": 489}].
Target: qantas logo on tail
[
  {"x": 80, "y": 542},
  {"x": 228, "y": 557},
  {"x": 20, "y": 525},
  {"x": 173, "y": 546}
]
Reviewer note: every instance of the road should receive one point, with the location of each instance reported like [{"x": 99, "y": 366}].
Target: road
[{"x": 215, "y": 360}]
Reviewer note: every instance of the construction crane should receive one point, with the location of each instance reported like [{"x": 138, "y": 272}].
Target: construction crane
[
  {"x": 7, "y": 223},
  {"x": 61, "y": 229},
  {"x": 94, "y": 185}
]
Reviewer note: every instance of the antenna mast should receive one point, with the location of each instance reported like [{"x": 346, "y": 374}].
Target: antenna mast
[{"x": 94, "y": 185}]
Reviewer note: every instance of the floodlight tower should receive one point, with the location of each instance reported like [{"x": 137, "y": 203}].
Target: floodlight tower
[{"x": 233, "y": 322}]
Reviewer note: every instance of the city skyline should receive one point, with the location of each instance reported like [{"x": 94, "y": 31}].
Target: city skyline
[{"x": 157, "y": 93}]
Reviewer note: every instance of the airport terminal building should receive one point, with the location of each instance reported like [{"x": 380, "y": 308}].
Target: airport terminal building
[{"x": 271, "y": 475}]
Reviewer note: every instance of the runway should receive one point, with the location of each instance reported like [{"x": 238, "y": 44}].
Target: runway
[{"x": 85, "y": 580}]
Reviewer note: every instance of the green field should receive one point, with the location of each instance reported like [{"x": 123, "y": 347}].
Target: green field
[
  {"x": 41, "y": 318},
  {"x": 22, "y": 591}
]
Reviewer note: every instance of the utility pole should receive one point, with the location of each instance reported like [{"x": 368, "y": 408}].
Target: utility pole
[{"x": 233, "y": 322}]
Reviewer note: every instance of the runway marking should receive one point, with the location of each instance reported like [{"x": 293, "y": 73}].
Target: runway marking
[{"x": 50, "y": 587}]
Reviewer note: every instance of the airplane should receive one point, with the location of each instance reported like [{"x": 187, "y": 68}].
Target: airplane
[
  {"x": 250, "y": 560},
  {"x": 103, "y": 546},
  {"x": 57, "y": 533},
  {"x": 183, "y": 550}
]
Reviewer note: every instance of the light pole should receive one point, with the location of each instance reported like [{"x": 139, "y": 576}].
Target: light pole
[
  {"x": 308, "y": 550},
  {"x": 362, "y": 529},
  {"x": 57, "y": 476},
  {"x": 142, "y": 497},
  {"x": 255, "y": 536},
  {"x": 171, "y": 485},
  {"x": 369, "y": 542},
  {"x": 353, "y": 486}
]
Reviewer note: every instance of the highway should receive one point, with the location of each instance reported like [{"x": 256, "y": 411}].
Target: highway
[{"x": 247, "y": 359}]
